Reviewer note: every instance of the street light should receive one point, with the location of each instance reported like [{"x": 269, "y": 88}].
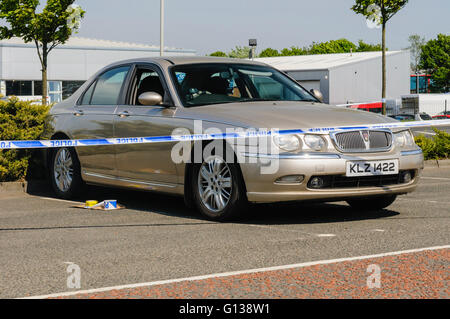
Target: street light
[
  {"x": 252, "y": 43},
  {"x": 161, "y": 35}
]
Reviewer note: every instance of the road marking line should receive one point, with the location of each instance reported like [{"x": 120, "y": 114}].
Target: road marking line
[
  {"x": 427, "y": 133},
  {"x": 278, "y": 229},
  {"x": 235, "y": 273},
  {"x": 437, "y": 202},
  {"x": 422, "y": 200},
  {"x": 378, "y": 230},
  {"x": 326, "y": 235},
  {"x": 59, "y": 200},
  {"x": 437, "y": 178}
]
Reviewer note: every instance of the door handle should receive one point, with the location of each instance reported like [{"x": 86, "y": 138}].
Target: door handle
[
  {"x": 124, "y": 114},
  {"x": 78, "y": 113}
]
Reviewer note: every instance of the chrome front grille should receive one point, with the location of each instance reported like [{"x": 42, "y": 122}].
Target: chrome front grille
[
  {"x": 363, "y": 141},
  {"x": 350, "y": 141},
  {"x": 380, "y": 139}
]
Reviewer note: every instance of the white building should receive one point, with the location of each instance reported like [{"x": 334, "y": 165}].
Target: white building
[
  {"x": 348, "y": 77},
  {"x": 69, "y": 65},
  {"x": 432, "y": 104}
]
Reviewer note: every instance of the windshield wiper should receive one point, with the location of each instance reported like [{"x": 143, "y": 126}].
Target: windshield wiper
[
  {"x": 208, "y": 103},
  {"x": 273, "y": 100},
  {"x": 309, "y": 100},
  {"x": 257, "y": 99}
]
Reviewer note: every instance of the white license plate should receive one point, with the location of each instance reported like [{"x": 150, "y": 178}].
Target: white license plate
[{"x": 370, "y": 168}]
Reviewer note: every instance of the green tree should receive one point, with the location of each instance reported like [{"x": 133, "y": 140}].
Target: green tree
[
  {"x": 287, "y": 52},
  {"x": 219, "y": 54},
  {"x": 367, "y": 47},
  {"x": 416, "y": 44},
  {"x": 293, "y": 51},
  {"x": 435, "y": 58},
  {"x": 240, "y": 53},
  {"x": 333, "y": 46},
  {"x": 47, "y": 29},
  {"x": 380, "y": 11},
  {"x": 269, "y": 52}
]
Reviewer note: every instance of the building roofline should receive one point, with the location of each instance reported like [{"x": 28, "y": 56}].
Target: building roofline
[
  {"x": 331, "y": 67},
  {"x": 309, "y": 70},
  {"x": 98, "y": 48},
  {"x": 388, "y": 53}
]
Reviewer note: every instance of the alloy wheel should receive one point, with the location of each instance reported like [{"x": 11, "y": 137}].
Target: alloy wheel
[
  {"x": 63, "y": 169},
  {"x": 215, "y": 183}
]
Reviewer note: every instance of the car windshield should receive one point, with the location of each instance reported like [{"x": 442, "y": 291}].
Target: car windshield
[{"x": 217, "y": 83}]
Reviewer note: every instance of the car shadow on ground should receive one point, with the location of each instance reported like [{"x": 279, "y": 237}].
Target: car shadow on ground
[
  {"x": 310, "y": 213},
  {"x": 263, "y": 214}
]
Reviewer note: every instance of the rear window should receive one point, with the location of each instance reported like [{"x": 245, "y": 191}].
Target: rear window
[{"x": 108, "y": 86}]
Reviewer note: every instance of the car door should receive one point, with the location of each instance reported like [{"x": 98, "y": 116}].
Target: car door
[
  {"x": 145, "y": 162},
  {"x": 93, "y": 119}
]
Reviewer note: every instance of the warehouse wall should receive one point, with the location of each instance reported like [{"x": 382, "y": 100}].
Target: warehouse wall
[
  {"x": 306, "y": 78},
  {"x": 361, "y": 81},
  {"x": 22, "y": 63}
]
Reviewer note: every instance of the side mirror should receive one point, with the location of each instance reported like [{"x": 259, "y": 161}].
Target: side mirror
[
  {"x": 150, "y": 98},
  {"x": 317, "y": 94}
]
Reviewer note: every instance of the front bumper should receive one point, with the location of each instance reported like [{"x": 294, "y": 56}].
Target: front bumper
[{"x": 261, "y": 183}]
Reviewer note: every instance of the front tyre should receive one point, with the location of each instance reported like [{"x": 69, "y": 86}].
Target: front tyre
[
  {"x": 65, "y": 173},
  {"x": 219, "y": 192},
  {"x": 372, "y": 203}
]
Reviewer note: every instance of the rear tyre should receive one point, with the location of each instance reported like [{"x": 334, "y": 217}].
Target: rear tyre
[
  {"x": 218, "y": 189},
  {"x": 65, "y": 173},
  {"x": 372, "y": 203}
]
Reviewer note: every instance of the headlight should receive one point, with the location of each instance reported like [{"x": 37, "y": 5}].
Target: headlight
[
  {"x": 288, "y": 143},
  {"x": 315, "y": 142},
  {"x": 403, "y": 139}
]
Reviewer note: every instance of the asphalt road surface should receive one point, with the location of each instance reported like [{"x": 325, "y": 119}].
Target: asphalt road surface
[{"x": 156, "y": 238}]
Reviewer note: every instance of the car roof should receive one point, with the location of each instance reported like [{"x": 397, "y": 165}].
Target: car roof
[{"x": 195, "y": 59}]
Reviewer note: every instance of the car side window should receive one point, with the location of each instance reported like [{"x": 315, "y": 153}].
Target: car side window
[
  {"x": 145, "y": 80},
  {"x": 87, "y": 95},
  {"x": 107, "y": 89}
]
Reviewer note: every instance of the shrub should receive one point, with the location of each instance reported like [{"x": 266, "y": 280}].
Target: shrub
[
  {"x": 436, "y": 147},
  {"x": 20, "y": 120},
  {"x": 219, "y": 54}
]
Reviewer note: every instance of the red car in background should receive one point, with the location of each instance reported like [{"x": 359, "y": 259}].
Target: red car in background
[
  {"x": 374, "y": 107},
  {"x": 442, "y": 116}
]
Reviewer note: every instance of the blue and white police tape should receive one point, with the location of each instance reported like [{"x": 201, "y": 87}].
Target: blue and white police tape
[{"x": 5, "y": 145}]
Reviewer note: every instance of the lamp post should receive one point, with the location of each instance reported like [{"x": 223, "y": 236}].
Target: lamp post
[
  {"x": 161, "y": 34},
  {"x": 417, "y": 82},
  {"x": 252, "y": 43}
]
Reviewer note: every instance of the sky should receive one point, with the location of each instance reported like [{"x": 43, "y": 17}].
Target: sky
[{"x": 211, "y": 25}]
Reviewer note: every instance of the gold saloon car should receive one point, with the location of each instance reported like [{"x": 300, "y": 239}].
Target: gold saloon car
[{"x": 192, "y": 95}]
